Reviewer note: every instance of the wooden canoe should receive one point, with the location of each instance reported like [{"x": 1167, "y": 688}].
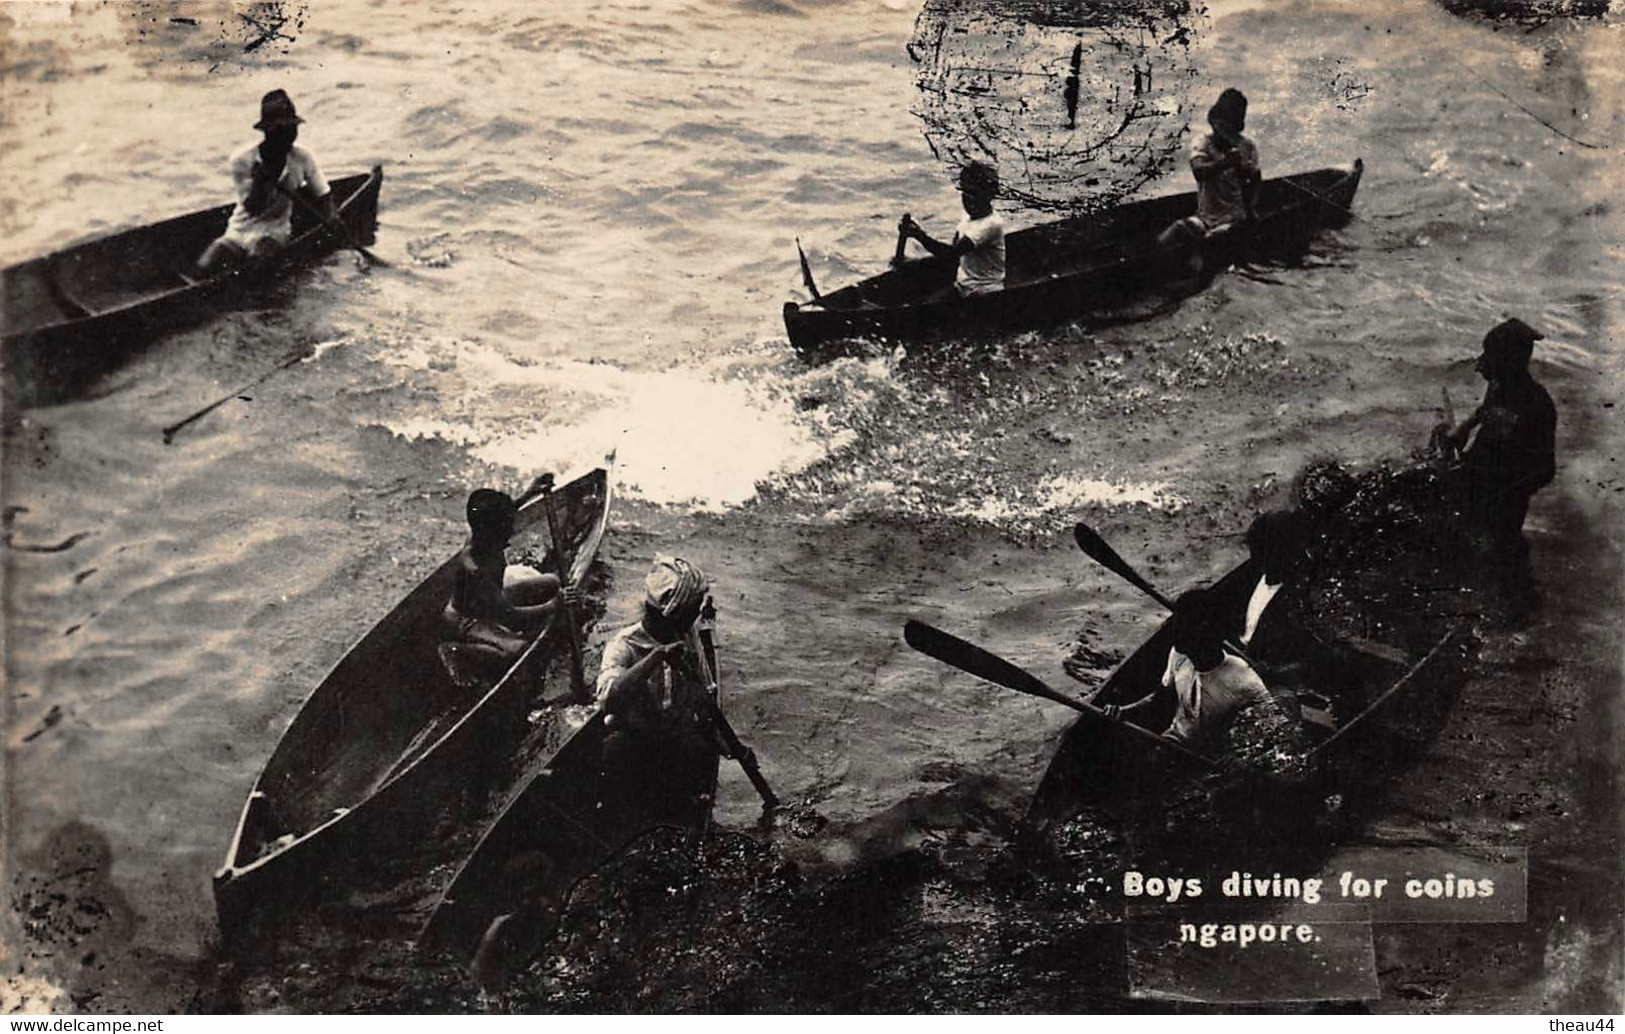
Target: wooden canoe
[
  {"x": 389, "y": 742},
  {"x": 1097, "y": 758},
  {"x": 77, "y": 312},
  {"x": 571, "y": 815},
  {"x": 1068, "y": 269}
]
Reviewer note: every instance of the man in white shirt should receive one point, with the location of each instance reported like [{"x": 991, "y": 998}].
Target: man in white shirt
[
  {"x": 978, "y": 239},
  {"x": 266, "y": 176},
  {"x": 640, "y": 683},
  {"x": 1211, "y": 685},
  {"x": 1225, "y": 164}
]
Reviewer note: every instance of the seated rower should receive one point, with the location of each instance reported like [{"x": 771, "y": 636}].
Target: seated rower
[
  {"x": 266, "y": 176},
  {"x": 645, "y": 682},
  {"x": 1225, "y": 164},
  {"x": 978, "y": 239},
  {"x": 496, "y": 608},
  {"x": 1213, "y": 688}
]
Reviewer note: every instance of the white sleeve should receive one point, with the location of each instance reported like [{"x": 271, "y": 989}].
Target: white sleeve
[
  {"x": 983, "y": 232},
  {"x": 617, "y": 658},
  {"x": 242, "y": 173},
  {"x": 1171, "y": 672}
]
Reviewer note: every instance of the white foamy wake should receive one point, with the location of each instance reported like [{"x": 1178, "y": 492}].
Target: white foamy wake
[
  {"x": 1064, "y": 493},
  {"x": 700, "y": 436}
]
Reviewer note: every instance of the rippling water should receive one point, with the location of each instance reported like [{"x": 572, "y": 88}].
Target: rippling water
[{"x": 594, "y": 212}]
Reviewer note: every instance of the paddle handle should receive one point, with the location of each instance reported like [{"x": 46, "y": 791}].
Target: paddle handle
[
  {"x": 175, "y": 428},
  {"x": 344, "y": 227},
  {"x": 902, "y": 241},
  {"x": 578, "y": 679}
]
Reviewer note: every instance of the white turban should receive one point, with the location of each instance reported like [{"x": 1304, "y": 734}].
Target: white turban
[{"x": 674, "y": 585}]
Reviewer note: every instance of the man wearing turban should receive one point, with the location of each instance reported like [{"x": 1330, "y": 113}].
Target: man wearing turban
[{"x": 645, "y": 680}]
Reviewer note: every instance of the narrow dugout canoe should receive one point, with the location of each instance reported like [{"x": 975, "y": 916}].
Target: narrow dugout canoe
[
  {"x": 388, "y": 743},
  {"x": 1066, "y": 269},
  {"x": 78, "y": 312},
  {"x": 1097, "y": 759},
  {"x": 571, "y": 815}
]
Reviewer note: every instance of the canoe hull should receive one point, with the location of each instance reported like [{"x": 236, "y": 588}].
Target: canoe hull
[
  {"x": 388, "y": 746},
  {"x": 572, "y": 815},
  {"x": 77, "y": 313},
  {"x": 1069, "y": 269}
]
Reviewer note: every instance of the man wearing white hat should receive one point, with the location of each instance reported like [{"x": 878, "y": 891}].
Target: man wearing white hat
[
  {"x": 267, "y": 175},
  {"x": 636, "y": 682}
]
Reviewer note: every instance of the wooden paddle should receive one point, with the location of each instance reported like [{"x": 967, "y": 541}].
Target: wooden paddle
[
  {"x": 901, "y": 253},
  {"x": 951, "y": 650},
  {"x": 343, "y": 227},
  {"x": 173, "y": 429},
  {"x": 543, "y": 487},
  {"x": 732, "y": 746},
  {"x": 1101, "y": 552}
]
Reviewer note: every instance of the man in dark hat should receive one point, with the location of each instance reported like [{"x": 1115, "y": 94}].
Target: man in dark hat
[
  {"x": 1514, "y": 452},
  {"x": 1225, "y": 164},
  {"x": 267, "y": 175},
  {"x": 978, "y": 239}
]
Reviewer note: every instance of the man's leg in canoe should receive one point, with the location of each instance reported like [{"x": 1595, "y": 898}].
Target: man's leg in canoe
[
  {"x": 524, "y": 586},
  {"x": 219, "y": 257}
]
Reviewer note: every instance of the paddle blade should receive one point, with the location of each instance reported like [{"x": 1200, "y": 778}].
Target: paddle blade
[
  {"x": 951, "y": 650},
  {"x": 1102, "y": 553}
]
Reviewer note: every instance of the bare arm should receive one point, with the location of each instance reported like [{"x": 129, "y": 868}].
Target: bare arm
[
  {"x": 960, "y": 246},
  {"x": 1457, "y": 436},
  {"x": 1120, "y": 712}
]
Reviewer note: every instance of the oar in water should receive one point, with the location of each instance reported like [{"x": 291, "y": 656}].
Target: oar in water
[
  {"x": 968, "y": 657},
  {"x": 173, "y": 429},
  {"x": 901, "y": 253},
  {"x": 1102, "y": 553},
  {"x": 343, "y": 227}
]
